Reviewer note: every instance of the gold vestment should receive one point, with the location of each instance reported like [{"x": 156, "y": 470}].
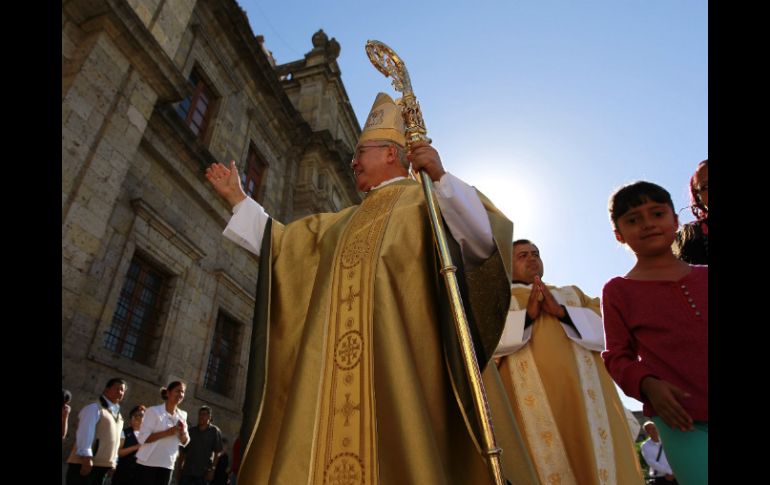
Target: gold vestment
[
  {"x": 566, "y": 404},
  {"x": 348, "y": 380}
]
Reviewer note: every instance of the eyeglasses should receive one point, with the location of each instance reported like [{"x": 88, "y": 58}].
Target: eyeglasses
[{"x": 360, "y": 149}]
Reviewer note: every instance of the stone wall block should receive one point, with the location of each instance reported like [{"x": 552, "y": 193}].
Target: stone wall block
[
  {"x": 84, "y": 219},
  {"x": 171, "y": 23},
  {"x": 78, "y": 102},
  {"x": 144, "y": 9}
]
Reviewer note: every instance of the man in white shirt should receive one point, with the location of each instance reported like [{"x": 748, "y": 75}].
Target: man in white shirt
[
  {"x": 100, "y": 424},
  {"x": 359, "y": 380},
  {"x": 653, "y": 454}
]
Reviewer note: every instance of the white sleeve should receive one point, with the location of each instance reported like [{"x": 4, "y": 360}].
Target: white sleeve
[
  {"x": 467, "y": 220},
  {"x": 589, "y": 324},
  {"x": 187, "y": 428},
  {"x": 150, "y": 422},
  {"x": 515, "y": 336},
  {"x": 663, "y": 463},
  {"x": 183, "y": 413},
  {"x": 247, "y": 226},
  {"x": 84, "y": 437},
  {"x": 633, "y": 424}
]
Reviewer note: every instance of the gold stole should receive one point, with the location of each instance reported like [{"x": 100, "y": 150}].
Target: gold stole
[
  {"x": 345, "y": 446},
  {"x": 544, "y": 439},
  {"x": 593, "y": 398},
  {"x": 545, "y": 443}
]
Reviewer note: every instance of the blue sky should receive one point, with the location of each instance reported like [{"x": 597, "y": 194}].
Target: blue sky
[{"x": 546, "y": 106}]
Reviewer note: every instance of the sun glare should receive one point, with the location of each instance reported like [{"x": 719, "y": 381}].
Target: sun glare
[{"x": 515, "y": 195}]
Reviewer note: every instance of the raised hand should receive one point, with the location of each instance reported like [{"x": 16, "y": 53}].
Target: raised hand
[{"x": 226, "y": 182}]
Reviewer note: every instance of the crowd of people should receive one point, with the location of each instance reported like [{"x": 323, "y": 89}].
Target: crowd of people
[
  {"x": 356, "y": 374},
  {"x": 155, "y": 442}
]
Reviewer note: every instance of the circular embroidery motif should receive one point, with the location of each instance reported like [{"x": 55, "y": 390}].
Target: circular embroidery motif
[
  {"x": 347, "y": 351},
  {"x": 344, "y": 469}
]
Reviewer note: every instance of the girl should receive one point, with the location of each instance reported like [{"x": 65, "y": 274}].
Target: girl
[
  {"x": 125, "y": 473},
  {"x": 163, "y": 430},
  {"x": 656, "y": 328}
]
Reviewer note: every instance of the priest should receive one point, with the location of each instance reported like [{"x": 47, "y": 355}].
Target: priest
[{"x": 354, "y": 372}]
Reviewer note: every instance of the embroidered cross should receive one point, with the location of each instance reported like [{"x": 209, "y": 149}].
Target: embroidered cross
[
  {"x": 348, "y": 350},
  {"x": 348, "y": 409},
  {"x": 349, "y": 299}
]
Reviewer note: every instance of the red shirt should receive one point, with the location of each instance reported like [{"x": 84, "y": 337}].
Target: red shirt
[{"x": 660, "y": 329}]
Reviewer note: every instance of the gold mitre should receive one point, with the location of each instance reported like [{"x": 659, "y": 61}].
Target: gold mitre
[{"x": 384, "y": 122}]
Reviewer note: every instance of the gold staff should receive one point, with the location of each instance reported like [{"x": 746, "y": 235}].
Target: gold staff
[{"x": 387, "y": 62}]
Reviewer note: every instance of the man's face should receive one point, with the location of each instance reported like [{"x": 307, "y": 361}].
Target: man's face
[
  {"x": 115, "y": 392},
  {"x": 369, "y": 164},
  {"x": 652, "y": 432},
  {"x": 526, "y": 263},
  {"x": 204, "y": 418}
]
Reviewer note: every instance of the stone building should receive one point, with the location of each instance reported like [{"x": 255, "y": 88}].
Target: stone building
[{"x": 152, "y": 93}]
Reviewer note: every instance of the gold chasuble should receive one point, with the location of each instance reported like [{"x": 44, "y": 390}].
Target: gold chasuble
[
  {"x": 566, "y": 404},
  {"x": 348, "y": 380}
]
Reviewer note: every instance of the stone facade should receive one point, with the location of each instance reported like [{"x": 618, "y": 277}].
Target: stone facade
[{"x": 133, "y": 180}]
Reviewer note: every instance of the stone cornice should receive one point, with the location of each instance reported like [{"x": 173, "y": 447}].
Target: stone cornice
[
  {"x": 146, "y": 212},
  {"x": 232, "y": 285},
  {"x": 125, "y": 28}
]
